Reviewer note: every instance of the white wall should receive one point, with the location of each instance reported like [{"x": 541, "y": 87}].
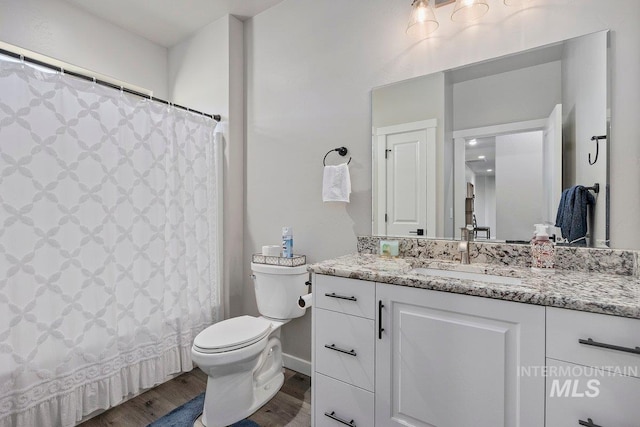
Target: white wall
[
  {"x": 409, "y": 101},
  {"x": 526, "y": 94},
  {"x": 310, "y": 69},
  {"x": 490, "y": 205},
  {"x": 584, "y": 104},
  {"x": 63, "y": 32},
  {"x": 518, "y": 186},
  {"x": 485, "y": 203},
  {"x": 207, "y": 73}
]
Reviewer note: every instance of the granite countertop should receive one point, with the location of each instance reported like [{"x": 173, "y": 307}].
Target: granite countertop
[{"x": 612, "y": 294}]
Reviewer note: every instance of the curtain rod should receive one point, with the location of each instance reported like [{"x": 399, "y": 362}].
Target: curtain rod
[{"x": 215, "y": 117}]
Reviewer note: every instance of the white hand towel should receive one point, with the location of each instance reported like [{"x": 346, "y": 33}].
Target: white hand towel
[{"x": 336, "y": 183}]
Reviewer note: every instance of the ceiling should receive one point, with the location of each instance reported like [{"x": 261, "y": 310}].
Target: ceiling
[
  {"x": 486, "y": 148},
  {"x": 168, "y": 22}
]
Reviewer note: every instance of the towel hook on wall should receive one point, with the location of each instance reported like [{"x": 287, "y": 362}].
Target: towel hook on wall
[
  {"x": 341, "y": 150},
  {"x": 597, "y": 140}
]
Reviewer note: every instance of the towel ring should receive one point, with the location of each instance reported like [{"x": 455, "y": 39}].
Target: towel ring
[{"x": 341, "y": 150}]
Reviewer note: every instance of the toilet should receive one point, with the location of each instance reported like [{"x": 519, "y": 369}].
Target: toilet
[{"x": 242, "y": 356}]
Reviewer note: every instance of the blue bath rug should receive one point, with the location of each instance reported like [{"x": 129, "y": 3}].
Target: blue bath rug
[{"x": 187, "y": 414}]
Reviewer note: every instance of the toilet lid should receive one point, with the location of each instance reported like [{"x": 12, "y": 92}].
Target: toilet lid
[{"x": 232, "y": 334}]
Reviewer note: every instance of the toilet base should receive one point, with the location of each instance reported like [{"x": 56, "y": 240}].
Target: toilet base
[{"x": 262, "y": 395}]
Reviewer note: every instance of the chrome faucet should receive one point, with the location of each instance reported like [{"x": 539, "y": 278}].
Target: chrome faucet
[{"x": 464, "y": 247}]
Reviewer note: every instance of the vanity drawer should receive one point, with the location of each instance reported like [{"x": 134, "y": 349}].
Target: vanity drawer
[
  {"x": 579, "y": 393},
  {"x": 350, "y": 296},
  {"x": 336, "y": 401},
  {"x": 566, "y": 327},
  {"x": 345, "y": 347}
]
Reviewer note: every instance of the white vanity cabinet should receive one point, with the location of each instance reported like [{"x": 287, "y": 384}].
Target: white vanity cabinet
[
  {"x": 450, "y": 360},
  {"x": 389, "y": 355},
  {"x": 593, "y": 361},
  {"x": 343, "y": 352}
]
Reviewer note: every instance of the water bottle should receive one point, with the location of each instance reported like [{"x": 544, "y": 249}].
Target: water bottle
[{"x": 287, "y": 242}]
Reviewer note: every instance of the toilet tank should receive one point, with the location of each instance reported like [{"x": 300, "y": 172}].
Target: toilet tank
[{"x": 278, "y": 289}]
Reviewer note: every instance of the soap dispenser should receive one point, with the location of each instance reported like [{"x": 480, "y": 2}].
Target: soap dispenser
[{"x": 542, "y": 250}]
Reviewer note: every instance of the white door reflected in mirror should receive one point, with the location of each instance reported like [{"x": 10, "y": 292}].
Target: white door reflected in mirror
[{"x": 406, "y": 171}]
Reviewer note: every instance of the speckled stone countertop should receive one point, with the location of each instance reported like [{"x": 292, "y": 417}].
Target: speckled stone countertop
[{"x": 612, "y": 294}]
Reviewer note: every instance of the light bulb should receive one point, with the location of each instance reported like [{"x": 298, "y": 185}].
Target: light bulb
[
  {"x": 469, "y": 10},
  {"x": 422, "y": 20}
]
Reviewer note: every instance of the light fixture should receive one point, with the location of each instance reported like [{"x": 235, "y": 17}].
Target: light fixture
[
  {"x": 489, "y": 170},
  {"x": 481, "y": 157},
  {"x": 473, "y": 141},
  {"x": 469, "y": 10},
  {"x": 422, "y": 20}
]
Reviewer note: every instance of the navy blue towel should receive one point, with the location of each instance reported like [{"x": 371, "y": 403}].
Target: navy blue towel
[{"x": 572, "y": 214}]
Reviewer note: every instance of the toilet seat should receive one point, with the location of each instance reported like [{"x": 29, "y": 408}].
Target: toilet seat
[{"x": 232, "y": 334}]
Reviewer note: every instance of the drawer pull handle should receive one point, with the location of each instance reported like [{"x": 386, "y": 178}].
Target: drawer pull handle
[
  {"x": 334, "y": 295},
  {"x": 334, "y": 348},
  {"x": 609, "y": 346},
  {"x": 588, "y": 423},
  {"x": 380, "y": 328},
  {"x": 333, "y": 416}
]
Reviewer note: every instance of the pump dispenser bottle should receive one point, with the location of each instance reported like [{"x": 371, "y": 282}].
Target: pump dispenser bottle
[
  {"x": 287, "y": 242},
  {"x": 542, "y": 251}
]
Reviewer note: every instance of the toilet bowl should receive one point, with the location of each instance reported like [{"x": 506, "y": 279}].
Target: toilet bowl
[{"x": 242, "y": 356}]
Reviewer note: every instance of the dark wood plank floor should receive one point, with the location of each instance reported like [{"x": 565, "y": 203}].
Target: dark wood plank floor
[{"x": 291, "y": 407}]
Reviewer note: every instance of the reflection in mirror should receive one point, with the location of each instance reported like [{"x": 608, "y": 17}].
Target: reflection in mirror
[
  {"x": 493, "y": 145},
  {"x": 513, "y": 176}
]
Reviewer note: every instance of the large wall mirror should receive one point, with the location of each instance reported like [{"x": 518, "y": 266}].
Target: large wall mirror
[{"x": 498, "y": 146}]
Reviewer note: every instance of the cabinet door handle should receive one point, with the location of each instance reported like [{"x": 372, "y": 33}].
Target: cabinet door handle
[
  {"x": 593, "y": 343},
  {"x": 333, "y": 416},
  {"x": 334, "y": 295},
  {"x": 341, "y": 350},
  {"x": 380, "y": 328},
  {"x": 588, "y": 423}
]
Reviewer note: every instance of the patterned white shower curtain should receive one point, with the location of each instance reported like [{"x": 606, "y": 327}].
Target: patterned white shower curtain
[{"x": 108, "y": 244}]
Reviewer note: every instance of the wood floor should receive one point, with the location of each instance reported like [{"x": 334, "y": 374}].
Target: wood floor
[{"x": 291, "y": 407}]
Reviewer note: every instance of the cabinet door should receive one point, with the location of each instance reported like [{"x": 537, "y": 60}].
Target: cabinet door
[
  {"x": 578, "y": 393},
  {"x": 447, "y": 360}
]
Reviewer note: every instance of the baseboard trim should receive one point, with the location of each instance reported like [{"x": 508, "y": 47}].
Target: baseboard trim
[{"x": 296, "y": 364}]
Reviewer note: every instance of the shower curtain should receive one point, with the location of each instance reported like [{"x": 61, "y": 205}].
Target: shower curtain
[{"x": 109, "y": 259}]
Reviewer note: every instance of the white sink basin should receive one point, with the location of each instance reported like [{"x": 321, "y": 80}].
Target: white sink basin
[{"x": 465, "y": 275}]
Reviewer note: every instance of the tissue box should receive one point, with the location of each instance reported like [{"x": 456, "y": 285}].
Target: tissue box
[{"x": 389, "y": 248}]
